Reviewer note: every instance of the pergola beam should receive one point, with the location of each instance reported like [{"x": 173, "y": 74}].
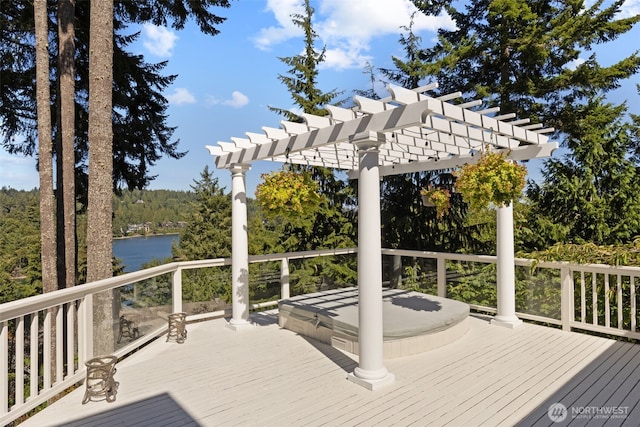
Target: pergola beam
[
  {"x": 517, "y": 153},
  {"x": 397, "y": 118},
  {"x": 414, "y": 125}
]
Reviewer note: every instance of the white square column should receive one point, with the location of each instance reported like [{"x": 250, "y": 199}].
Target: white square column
[{"x": 371, "y": 372}]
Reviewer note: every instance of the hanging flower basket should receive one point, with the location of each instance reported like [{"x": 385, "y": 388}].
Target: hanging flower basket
[
  {"x": 287, "y": 193},
  {"x": 440, "y": 198},
  {"x": 493, "y": 179}
]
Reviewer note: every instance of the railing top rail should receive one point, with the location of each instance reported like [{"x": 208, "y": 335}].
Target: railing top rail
[
  {"x": 13, "y": 309},
  {"x": 596, "y": 268},
  {"x": 21, "y": 307},
  {"x": 440, "y": 255},
  {"x": 302, "y": 254}
]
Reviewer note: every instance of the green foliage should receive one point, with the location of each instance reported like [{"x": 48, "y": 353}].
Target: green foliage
[
  {"x": 406, "y": 223},
  {"x": 287, "y": 193},
  {"x": 493, "y": 179},
  {"x": 440, "y": 198},
  {"x": 590, "y": 195},
  {"x": 163, "y": 210},
  {"x": 324, "y": 222},
  {"x": 20, "y": 272},
  {"x": 301, "y": 81},
  {"x": 141, "y": 132},
  {"x": 208, "y": 230},
  {"x": 520, "y": 55},
  {"x": 590, "y": 253},
  {"x": 472, "y": 283},
  {"x": 410, "y": 71}
]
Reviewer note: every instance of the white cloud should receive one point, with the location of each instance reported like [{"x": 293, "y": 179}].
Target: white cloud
[
  {"x": 572, "y": 65},
  {"x": 346, "y": 28},
  {"x": 630, "y": 8},
  {"x": 158, "y": 40},
  {"x": 340, "y": 59},
  {"x": 282, "y": 11},
  {"x": 181, "y": 96},
  {"x": 237, "y": 100}
]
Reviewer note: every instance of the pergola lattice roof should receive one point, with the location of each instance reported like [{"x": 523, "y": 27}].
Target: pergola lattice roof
[{"x": 418, "y": 132}]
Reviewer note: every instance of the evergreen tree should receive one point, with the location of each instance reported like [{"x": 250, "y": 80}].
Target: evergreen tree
[
  {"x": 141, "y": 133},
  {"x": 301, "y": 82},
  {"x": 208, "y": 230},
  {"x": 20, "y": 251},
  {"x": 66, "y": 157},
  {"x": 591, "y": 193},
  {"x": 207, "y": 235},
  {"x": 99, "y": 242},
  {"x": 406, "y": 223},
  {"x": 47, "y": 201},
  {"x": 316, "y": 230},
  {"x": 521, "y": 55},
  {"x": 333, "y": 223}
]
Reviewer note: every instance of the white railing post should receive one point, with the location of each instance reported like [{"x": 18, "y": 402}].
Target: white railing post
[
  {"x": 46, "y": 350},
  {"x": 566, "y": 299},
  {"x": 4, "y": 368},
  {"x": 33, "y": 350},
  {"x": 285, "y": 292},
  {"x": 71, "y": 312},
  {"x": 19, "y": 361},
  {"x": 59, "y": 344},
  {"x": 177, "y": 291},
  {"x": 396, "y": 272},
  {"x": 442, "y": 277},
  {"x": 85, "y": 330}
]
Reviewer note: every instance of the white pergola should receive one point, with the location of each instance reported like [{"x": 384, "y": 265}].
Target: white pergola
[{"x": 407, "y": 132}]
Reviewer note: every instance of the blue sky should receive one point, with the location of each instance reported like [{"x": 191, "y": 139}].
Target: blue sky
[{"x": 225, "y": 83}]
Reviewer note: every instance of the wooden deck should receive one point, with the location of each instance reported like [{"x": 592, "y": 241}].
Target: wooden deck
[{"x": 267, "y": 376}]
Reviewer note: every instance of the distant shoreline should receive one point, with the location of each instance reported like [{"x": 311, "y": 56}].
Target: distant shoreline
[{"x": 146, "y": 235}]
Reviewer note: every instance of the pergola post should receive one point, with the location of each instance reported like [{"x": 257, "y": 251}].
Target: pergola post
[
  {"x": 240, "y": 249},
  {"x": 506, "y": 277},
  {"x": 371, "y": 372}
]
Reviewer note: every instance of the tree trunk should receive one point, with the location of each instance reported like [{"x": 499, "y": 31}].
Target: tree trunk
[
  {"x": 45, "y": 159},
  {"x": 99, "y": 209},
  {"x": 66, "y": 99}
]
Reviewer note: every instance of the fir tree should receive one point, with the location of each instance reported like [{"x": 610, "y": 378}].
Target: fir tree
[
  {"x": 591, "y": 193},
  {"x": 333, "y": 223},
  {"x": 208, "y": 230},
  {"x": 521, "y": 55},
  {"x": 524, "y": 56},
  {"x": 302, "y": 80}
]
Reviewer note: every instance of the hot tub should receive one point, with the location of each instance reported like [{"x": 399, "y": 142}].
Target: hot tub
[{"x": 412, "y": 322}]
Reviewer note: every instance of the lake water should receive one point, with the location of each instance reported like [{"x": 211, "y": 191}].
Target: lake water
[{"x": 136, "y": 251}]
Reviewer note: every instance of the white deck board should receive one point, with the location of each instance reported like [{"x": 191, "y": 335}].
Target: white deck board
[{"x": 267, "y": 376}]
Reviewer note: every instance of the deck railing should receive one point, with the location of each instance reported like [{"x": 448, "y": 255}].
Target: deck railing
[
  {"x": 45, "y": 339},
  {"x": 590, "y": 297}
]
